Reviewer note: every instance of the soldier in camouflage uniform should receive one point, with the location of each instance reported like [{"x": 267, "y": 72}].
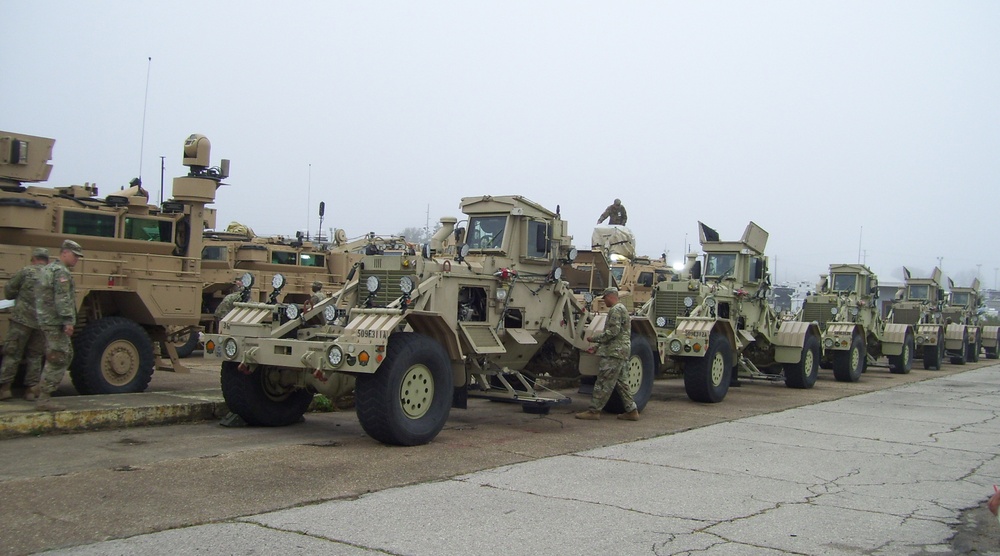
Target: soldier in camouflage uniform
[
  {"x": 318, "y": 295},
  {"x": 227, "y": 303},
  {"x": 615, "y": 213},
  {"x": 614, "y": 345},
  {"x": 24, "y": 334},
  {"x": 56, "y": 303}
]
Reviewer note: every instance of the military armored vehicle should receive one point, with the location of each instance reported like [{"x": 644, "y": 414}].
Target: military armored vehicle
[
  {"x": 961, "y": 310},
  {"x": 141, "y": 273},
  {"x": 727, "y": 325},
  {"x": 845, "y": 305},
  {"x": 919, "y": 304},
  {"x": 419, "y": 334}
]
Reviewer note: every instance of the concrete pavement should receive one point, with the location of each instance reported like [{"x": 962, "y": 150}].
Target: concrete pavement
[{"x": 897, "y": 471}]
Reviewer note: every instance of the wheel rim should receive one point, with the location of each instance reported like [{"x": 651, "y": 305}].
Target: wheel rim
[
  {"x": 718, "y": 369},
  {"x": 120, "y": 362},
  {"x": 807, "y": 363},
  {"x": 417, "y": 391},
  {"x": 633, "y": 374},
  {"x": 855, "y": 358},
  {"x": 906, "y": 354},
  {"x": 270, "y": 380}
]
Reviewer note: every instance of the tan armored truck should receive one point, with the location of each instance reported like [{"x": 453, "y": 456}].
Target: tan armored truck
[
  {"x": 845, "y": 306},
  {"x": 417, "y": 335},
  {"x": 962, "y": 311},
  {"x": 141, "y": 273},
  {"x": 732, "y": 325},
  {"x": 919, "y": 304}
]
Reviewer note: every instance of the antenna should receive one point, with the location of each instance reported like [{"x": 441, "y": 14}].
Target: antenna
[
  {"x": 860, "y": 234},
  {"x": 145, "y": 99},
  {"x": 162, "y": 168},
  {"x": 308, "y": 193}
]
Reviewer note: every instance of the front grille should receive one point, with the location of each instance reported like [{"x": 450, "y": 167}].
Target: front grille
[
  {"x": 670, "y": 305},
  {"x": 388, "y": 290},
  {"x": 819, "y": 312},
  {"x": 906, "y": 316}
]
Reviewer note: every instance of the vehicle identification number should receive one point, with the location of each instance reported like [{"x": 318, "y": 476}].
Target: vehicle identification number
[{"x": 373, "y": 334}]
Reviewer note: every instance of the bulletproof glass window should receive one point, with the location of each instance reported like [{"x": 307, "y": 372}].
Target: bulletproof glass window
[
  {"x": 645, "y": 279},
  {"x": 312, "y": 259},
  {"x": 486, "y": 232},
  {"x": 283, "y": 257},
  {"x": 756, "y": 269},
  {"x": 538, "y": 244},
  {"x": 148, "y": 229},
  {"x": 845, "y": 282},
  {"x": 214, "y": 253},
  {"x": 618, "y": 272},
  {"x": 720, "y": 265},
  {"x": 960, "y": 299},
  {"x": 88, "y": 223},
  {"x": 662, "y": 275},
  {"x": 918, "y": 293}
]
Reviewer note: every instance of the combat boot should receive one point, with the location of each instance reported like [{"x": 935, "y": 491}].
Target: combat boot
[
  {"x": 46, "y": 403},
  {"x": 630, "y": 416},
  {"x": 31, "y": 392},
  {"x": 589, "y": 415},
  {"x": 5, "y": 392}
]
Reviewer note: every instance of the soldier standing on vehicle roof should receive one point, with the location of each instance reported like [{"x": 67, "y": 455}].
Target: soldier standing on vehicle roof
[
  {"x": 615, "y": 213},
  {"x": 236, "y": 294},
  {"x": 318, "y": 295},
  {"x": 55, "y": 300},
  {"x": 614, "y": 345},
  {"x": 24, "y": 334}
]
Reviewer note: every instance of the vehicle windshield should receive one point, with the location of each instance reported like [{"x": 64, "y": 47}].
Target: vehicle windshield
[
  {"x": 720, "y": 265},
  {"x": 961, "y": 299},
  {"x": 618, "y": 272},
  {"x": 919, "y": 293},
  {"x": 845, "y": 282},
  {"x": 486, "y": 232}
]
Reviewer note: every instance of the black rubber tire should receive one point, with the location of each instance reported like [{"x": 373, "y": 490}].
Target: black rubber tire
[
  {"x": 113, "y": 355},
  {"x": 803, "y": 374},
  {"x": 380, "y": 399},
  {"x": 250, "y": 397},
  {"x": 699, "y": 371},
  {"x": 848, "y": 365},
  {"x": 962, "y": 357},
  {"x": 188, "y": 347},
  {"x": 903, "y": 363},
  {"x": 640, "y": 358},
  {"x": 972, "y": 350},
  {"x": 933, "y": 355}
]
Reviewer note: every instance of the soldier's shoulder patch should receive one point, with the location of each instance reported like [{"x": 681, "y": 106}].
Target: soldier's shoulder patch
[{"x": 63, "y": 279}]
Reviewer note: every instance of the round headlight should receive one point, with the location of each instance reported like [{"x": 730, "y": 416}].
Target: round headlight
[
  {"x": 278, "y": 281},
  {"x": 833, "y": 310},
  {"x": 230, "y": 348},
  {"x": 405, "y": 284},
  {"x": 292, "y": 311},
  {"x": 571, "y": 256},
  {"x": 335, "y": 356},
  {"x": 372, "y": 284},
  {"x": 501, "y": 294},
  {"x": 921, "y": 339},
  {"x": 661, "y": 321},
  {"x": 675, "y": 346},
  {"x": 688, "y": 301},
  {"x": 828, "y": 343},
  {"x": 854, "y": 311},
  {"x": 246, "y": 279},
  {"x": 557, "y": 274},
  {"x": 710, "y": 302},
  {"x": 329, "y": 313},
  {"x": 588, "y": 297}
]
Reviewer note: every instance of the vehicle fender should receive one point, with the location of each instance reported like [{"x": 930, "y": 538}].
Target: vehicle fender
[
  {"x": 841, "y": 333},
  {"x": 790, "y": 338},
  {"x": 893, "y": 338},
  {"x": 434, "y": 325},
  {"x": 991, "y": 336},
  {"x": 955, "y": 336}
]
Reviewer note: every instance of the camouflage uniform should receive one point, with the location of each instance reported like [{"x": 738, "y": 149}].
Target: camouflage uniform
[
  {"x": 318, "y": 295},
  {"x": 227, "y": 304},
  {"x": 56, "y": 304},
  {"x": 615, "y": 213},
  {"x": 614, "y": 345},
  {"x": 24, "y": 334}
]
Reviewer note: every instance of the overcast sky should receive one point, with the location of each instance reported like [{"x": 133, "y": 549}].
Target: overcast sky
[{"x": 838, "y": 127}]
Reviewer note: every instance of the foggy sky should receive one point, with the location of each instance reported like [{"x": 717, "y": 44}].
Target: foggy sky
[{"x": 844, "y": 129}]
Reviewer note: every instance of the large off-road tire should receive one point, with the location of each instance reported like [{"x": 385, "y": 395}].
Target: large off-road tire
[
  {"x": 960, "y": 359},
  {"x": 706, "y": 379},
  {"x": 933, "y": 355},
  {"x": 186, "y": 344},
  {"x": 639, "y": 374},
  {"x": 903, "y": 363},
  {"x": 848, "y": 365},
  {"x": 803, "y": 374},
  {"x": 113, "y": 355},
  {"x": 407, "y": 401},
  {"x": 260, "y": 399},
  {"x": 972, "y": 349}
]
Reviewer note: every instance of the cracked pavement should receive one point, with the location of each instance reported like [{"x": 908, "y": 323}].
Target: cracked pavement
[{"x": 905, "y": 470}]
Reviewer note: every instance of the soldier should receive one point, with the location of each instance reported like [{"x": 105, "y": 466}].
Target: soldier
[
  {"x": 614, "y": 345},
  {"x": 615, "y": 213},
  {"x": 318, "y": 295},
  {"x": 24, "y": 334},
  {"x": 236, "y": 294},
  {"x": 55, "y": 301}
]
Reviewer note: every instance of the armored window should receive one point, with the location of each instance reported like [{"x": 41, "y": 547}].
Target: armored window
[
  {"x": 486, "y": 232},
  {"x": 283, "y": 257},
  {"x": 148, "y": 229},
  {"x": 720, "y": 265},
  {"x": 214, "y": 253},
  {"x": 645, "y": 279},
  {"x": 662, "y": 275},
  {"x": 845, "y": 282},
  {"x": 961, "y": 299},
  {"x": 538, "y": 244},
  {"x": 618, "y": 272},
  {"x": 311, "y": 259},
  {"x": 88, "y": 223},
  {"x": 756, "y": 269},
  {"x": 919, "y": 293}
]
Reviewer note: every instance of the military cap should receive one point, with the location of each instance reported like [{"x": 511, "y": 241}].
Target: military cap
[
  {"x": 317, "y": 286},
  {"x": 39, "y": 253},
  {"x": 609, "y": 291},
  {"x": 72, "y": 247}
]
